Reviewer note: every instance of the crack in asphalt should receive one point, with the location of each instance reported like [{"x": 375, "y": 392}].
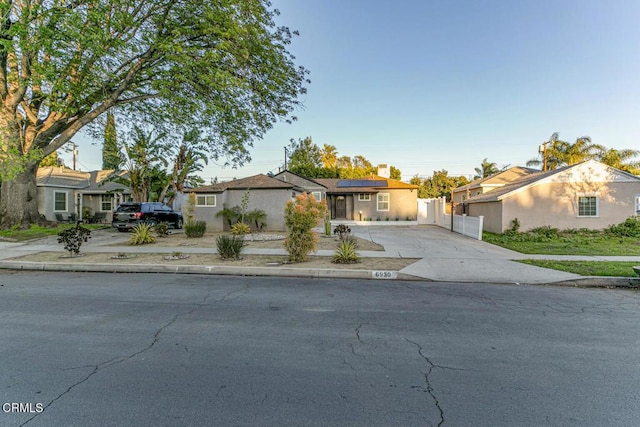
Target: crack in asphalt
[
  {"x": 429, "y": 388},
  {"x": 117, "y": 360}
]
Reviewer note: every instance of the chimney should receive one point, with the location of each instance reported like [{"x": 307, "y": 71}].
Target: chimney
[{"x": 384, "y": 170}]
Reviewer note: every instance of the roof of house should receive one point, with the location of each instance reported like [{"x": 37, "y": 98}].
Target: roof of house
[
  {"x": 499, "y": 179},
  {"x": 311, "y": 180},
  {"x": 94, "y": 181},
  {"x": 370, "y": 184},
  {"x": 259, "y": 181},
  {"x": 539, "y": 177}
]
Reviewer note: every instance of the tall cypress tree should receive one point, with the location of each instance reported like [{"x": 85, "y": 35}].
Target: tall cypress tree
[{"x": 111, "y": 158}]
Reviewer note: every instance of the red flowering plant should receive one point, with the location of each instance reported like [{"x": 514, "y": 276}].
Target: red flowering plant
[{"x": 301, "y": 216}]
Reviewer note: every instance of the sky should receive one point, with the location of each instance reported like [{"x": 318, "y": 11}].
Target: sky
[{"x": 426, "y": 85}]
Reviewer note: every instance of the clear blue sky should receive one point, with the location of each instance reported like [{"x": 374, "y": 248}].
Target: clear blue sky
[{"x": 428, "y": 85}]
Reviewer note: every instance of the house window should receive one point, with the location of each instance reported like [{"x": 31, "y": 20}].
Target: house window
[
  {"x": 106, "y": 202},
  {"x": 587, "y": 206},
  {"x": 317, "y": 195},
  {"x": 637, "y": 198},
  {"x": 208, "y": 200},
  {"x": 364, "y": 197},
  {"x": 59, "y": 201},
  {"x": 383, "y": 201}
]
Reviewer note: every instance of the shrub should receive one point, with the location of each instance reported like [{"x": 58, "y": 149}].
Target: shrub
[
  {"x": 546, "y": 231},
  {"x": 258, "y": 217},
  {"x": 346, "y": 253},
  {"x": 142, "y": 234},
  {"x": 195, "y": 228},
  {"x": 229, "y": 247},
  {"x": 327, "y": 226},
  {"x": 342, "y": 230},
  {"x": 630, "y": 227},
  {"x": 300, "y": 216},
  {"x": 191, "y": 207},
  {"x": 72, "y": 238},
  {"x": 162, "y": 229},
  {"x": 231, "y": 215},
  {"x": 240, "y": 228}
]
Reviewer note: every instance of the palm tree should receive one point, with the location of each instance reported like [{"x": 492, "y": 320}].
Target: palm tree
[
  {"x": 621, "y": 159},
  {"x": 486, "y": 169},
  {"x": 561, "y": 153},
  {"x": 329, "y": 156}
]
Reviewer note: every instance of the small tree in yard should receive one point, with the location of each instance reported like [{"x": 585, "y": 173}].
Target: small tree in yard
[
  {"x": 72, "y": 238},
  {"x": 300, "y": 216}
]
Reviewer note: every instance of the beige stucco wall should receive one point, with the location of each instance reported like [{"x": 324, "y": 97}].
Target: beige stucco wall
[
  {"x": 403, "y": 204},
  {"x": 492, "y": 212},
  {"x": 556, "y": 204}
]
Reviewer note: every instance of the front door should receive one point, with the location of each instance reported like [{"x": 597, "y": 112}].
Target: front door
[{"x": 341, "y": 207}]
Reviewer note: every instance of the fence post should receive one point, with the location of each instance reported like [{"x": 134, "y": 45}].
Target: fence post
[
  {"x": 464, "y": 223},
  {"x": 480, "y": 226}
]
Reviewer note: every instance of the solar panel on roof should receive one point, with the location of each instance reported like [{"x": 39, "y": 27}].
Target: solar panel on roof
[{"x": 343, "y": 183}]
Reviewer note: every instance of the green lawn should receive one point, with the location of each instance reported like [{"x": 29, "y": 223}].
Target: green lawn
[
  {"x": 588, "y": 268},
  {"x": 37, "y": 232},
  {"x": 570, "y": 244}
]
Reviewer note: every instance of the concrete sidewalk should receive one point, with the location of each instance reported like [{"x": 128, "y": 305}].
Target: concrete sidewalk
[{"x": 444, "y": 256}]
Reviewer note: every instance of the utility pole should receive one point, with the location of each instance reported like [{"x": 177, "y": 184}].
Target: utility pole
[
  {"x": 543, "y": 149},
  {"x": 285, "y": 158}
]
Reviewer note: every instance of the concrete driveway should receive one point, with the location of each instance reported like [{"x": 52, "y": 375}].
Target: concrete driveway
[{"x": 447, "y": 256}]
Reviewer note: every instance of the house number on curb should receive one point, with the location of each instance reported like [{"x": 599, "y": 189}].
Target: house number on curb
[{"x": 384, "y": 274}]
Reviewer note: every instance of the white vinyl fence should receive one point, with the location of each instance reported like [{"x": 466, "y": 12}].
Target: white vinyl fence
[{"x": 432, "y": 211}]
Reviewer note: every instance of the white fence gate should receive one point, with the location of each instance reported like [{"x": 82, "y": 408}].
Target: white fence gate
[{"x": 433, "y": 211}]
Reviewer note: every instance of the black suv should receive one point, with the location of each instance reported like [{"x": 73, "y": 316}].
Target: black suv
[{"x": 130, "y": 214}]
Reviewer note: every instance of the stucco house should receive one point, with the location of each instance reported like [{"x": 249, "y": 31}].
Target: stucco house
[
  {"x": 66, "y": 194},
  {"x": 374, "y": 198},
  {"x": 493, "y": 182},
  {"x": 309, "y": 185},
  {"x": 586, "y": 195},
  {"x": 266, "y": 193}
]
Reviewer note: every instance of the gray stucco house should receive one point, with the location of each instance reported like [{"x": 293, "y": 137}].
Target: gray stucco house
[
  {"x": 66, "y": 194},
  {"x": 265, "y": 193}
]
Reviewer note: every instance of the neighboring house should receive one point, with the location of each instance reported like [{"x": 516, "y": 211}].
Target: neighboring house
[
  {"x": 483, "y": 185},
  {"x": 586, "y": 195},
  {"x": 265, "y": 193},
  {"x": 65, "y": 194},
  {"x": 312, "y": 186}
]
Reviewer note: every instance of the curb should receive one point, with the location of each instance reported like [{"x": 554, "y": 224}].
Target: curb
[{"x": 210, "y": 269}]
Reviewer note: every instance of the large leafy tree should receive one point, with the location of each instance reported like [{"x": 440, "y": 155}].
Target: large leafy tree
[
  {"x": 438, "y": 185},
  {"x": 219, "y": 66}
]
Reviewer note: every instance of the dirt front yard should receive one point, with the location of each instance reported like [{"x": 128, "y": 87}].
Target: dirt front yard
[
  {"x": 261, "y": 240},
  {"x": 266, "y": 261}
]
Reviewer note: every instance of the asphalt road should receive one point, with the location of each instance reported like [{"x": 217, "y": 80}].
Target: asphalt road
[{"x": 155, "y": 350}]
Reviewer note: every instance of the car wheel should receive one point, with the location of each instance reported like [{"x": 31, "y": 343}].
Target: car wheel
[
  {"x": 122, "y": 230},
  {"x": 152, "y": 222},
  {"x": 178, "y": 223}
]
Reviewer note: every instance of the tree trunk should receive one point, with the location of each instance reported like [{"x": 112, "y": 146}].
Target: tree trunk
[{"x": 19, "y": 200}]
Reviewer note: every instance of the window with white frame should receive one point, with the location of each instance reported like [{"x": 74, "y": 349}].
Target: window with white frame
[
  {"x": 637, "y": 199},
  {"x": 317, "y": 195},
  {"x": 208, "y": 200},
  {"x": 364, "y": 197},
  {"x": 587, "y": 206},
  {"x": 106, "y": 202},
  {"x": 59, "y": 201},
  {"x": 383, "y": 201}
]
